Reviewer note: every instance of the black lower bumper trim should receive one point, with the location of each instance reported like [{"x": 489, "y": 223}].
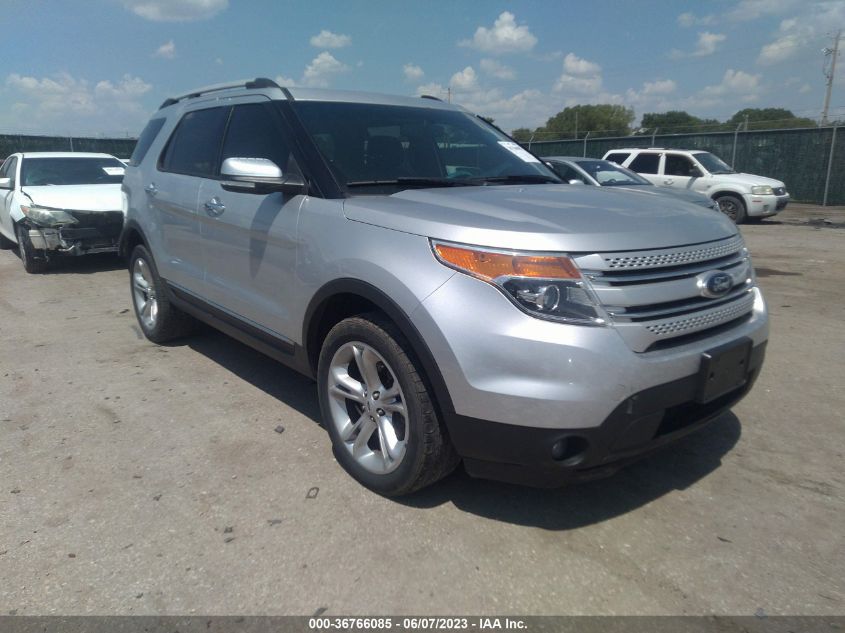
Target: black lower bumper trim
[{"x": 640, "y": 424}]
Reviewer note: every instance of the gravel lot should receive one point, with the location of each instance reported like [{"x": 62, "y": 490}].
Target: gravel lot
[{"x": 137, "y": 479}]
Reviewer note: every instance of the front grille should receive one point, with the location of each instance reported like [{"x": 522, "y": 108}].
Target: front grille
[{"x": 654, "y": 296}]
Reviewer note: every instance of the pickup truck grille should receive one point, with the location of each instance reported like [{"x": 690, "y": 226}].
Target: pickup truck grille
[{"x": 654, "y": 296}]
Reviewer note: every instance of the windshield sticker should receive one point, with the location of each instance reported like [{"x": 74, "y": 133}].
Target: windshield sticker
[
  {"x": 114, "y": 171},
  {"x": 516, "y": 150}
]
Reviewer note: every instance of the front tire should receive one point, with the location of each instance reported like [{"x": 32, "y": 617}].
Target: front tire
[
  {"x": 34, "y": 260},
  {"x": 377, "y": 409},
  {"x": 733, "y": 207},
  {"x": 159, "y": 320}
]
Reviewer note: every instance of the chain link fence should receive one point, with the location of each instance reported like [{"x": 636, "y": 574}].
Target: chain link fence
[
  {"x": 11, "y": 143},
  {"x": 811, "y": 161}
]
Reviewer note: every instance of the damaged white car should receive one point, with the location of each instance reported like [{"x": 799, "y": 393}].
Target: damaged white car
[{"x": 60, "y": 203}]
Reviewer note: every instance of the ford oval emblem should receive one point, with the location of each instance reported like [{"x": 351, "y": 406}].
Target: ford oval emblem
[{"x": 714, "y": 284}]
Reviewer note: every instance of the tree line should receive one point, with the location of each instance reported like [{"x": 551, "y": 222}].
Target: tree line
[{"x": 617, "y": 120}]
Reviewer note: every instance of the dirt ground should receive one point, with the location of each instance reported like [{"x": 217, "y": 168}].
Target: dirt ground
[{"x": 137, "y": 479}]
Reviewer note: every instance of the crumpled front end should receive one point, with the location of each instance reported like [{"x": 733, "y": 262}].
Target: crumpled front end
[{"x": 73, "y": 232}]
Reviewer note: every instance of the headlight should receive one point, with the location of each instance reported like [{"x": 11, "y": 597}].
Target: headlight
[
  {"x": 45, "y": 216},
  {"x": 761, "y": 190},
  {"x": 545, "y": 286}
]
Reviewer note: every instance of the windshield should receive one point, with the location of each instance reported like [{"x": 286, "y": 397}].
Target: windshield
[
  {"x": 610, "y": 174},
  {"x": 36, "y": 172},
  {"x": 713, "y": 164},
  {"x": 382, "y": 148}
]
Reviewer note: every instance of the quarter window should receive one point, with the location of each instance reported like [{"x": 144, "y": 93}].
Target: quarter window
[
  {"x": 8, "y": 170},
  {"x": 194, "y": 147},
  {"x": 618, "y": 157},
  {"x": 146, "y": 139},
  {"x": 645, "y": 163}
]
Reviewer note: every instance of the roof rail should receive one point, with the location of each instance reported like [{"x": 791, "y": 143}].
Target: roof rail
[
  {"x": 249, "y": 84},
  {"x": 432, "y": 97}
]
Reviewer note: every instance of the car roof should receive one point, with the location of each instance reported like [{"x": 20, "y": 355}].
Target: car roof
[
  {"x": 64, "y": 155},
  {"x": 573, "y": 159},
  {"x": 656, "y": 149}
]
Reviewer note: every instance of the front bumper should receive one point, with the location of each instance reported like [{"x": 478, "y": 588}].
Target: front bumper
[
  {"x": 765, "y": 206},
  {"x": 518, "y": 385},
  {"x": 94, "y": 232}
]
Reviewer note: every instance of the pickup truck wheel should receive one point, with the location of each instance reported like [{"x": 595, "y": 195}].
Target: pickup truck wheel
[
  {"x": 34, "y": 260},
  {"x": 379, "y": 414},
  {"x": 733, "y": 207},
  {"x": 160, "y": 321}
]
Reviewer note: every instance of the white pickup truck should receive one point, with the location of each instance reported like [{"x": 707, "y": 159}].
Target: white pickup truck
[{"x": 740, "y": 196}]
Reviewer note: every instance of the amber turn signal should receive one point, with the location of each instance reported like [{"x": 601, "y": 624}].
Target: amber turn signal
[{"x": 492, "y": 265}]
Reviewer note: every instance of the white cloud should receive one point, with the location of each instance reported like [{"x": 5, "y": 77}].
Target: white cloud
[
  {"x": 574, "y": 65},
  {"x": 413, "y": 72},
  {"x": 286, "y": 82},
  {"x": 66, "y": 104},
  {"x": 176, "y": 10},
  {"x": 580, "y": 76},
  {"x": 691, "y": 19},
  {"x": 707, "y": 43},
  {"x": 464, "y": 80},
  {"x": 747, "y": 10},
  {"x": 327, "y": 39},
  {"x": 321, "y": 69},
  {"x": 659, "y": 87},
  {"x": 804, "y": 31},
  {"x": 497, "y": 69},
  {"x": 736, "y": 84},
  {"x": 504, "y": 37},
  {"x": 166, "y": 50}
]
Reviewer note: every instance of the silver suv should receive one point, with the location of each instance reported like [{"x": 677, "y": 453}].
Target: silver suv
[{"x": 451, "y": 297}]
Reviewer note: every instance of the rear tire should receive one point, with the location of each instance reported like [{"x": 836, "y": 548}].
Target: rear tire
[
  {"x": 733, "y": 207},
  {"x": 159, "y": 320},
  {"x": 372, "y": 398},
  {"x": 34, "y": 260}
]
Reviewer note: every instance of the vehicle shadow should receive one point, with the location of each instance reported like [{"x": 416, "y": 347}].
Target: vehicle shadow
[
  {"x": 677, "y": 467},
  {"x": 268, "y": 375}
]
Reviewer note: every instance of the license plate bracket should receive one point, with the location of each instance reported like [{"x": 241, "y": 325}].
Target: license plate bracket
[{"x": 723, "y": 369}]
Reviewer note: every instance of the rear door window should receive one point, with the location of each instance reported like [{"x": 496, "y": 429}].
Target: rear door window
[
  {"x": 194, "y": 147},
  {"x": 645, "y": 163},
  {"x": 618, "y": 157}
]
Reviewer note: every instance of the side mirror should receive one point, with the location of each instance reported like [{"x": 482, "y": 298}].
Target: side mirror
[
  {"x": 575, "y": 181},
  {"x": 695, "y": 172},
  {"x": 5, "y": 183},
  {"x": 257, "y": 175}
]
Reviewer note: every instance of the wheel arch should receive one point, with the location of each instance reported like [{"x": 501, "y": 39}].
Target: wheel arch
[
  {"x": 131, "y": 236},
  {"x": 342, "y": 298}
]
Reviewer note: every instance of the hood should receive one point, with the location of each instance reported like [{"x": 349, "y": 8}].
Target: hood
[
  {"x": 687, "y": 195},
  {"x": 77, "y": 197},
  {"x": 748, "y": 179},
  {"x": 543, "y": 217}
]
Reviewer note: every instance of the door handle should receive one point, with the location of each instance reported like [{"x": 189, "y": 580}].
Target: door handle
[
  {"x": 214, "y": 207},
  {"x": 151, "y": 189},
  {"x": 668, "y": 181}
]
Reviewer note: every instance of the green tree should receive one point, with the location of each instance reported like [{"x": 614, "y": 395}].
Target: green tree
[
  {"x": 676, "y": 122},
  {"x": 601, "y": 120},
  {"x": 768, "y": 119},
  {"x": 522, "y": 134}
]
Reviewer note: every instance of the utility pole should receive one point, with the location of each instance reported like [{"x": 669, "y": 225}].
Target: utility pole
[
  {"x": 830, "y": 73},
  {"x": 449, "y": 93}
]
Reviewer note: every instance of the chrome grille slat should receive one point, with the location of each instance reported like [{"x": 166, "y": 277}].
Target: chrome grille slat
[{"x": 654, "y": 295}]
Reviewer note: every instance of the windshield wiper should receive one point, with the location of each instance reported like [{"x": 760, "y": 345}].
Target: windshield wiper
[
  {"x": 413, "y": 182},
  {"x": 519, "y": 178}
]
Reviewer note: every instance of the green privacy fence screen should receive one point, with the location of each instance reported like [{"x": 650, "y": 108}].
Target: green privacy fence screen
[
  {"x": 799, "y": 157},
  {"x": 11, "y": 143}
]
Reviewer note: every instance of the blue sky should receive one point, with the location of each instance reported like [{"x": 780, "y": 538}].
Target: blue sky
[{"x": 102, "y": 67}]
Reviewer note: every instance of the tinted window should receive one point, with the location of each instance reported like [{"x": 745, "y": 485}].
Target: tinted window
[
  {"x": 610, "y": 174},
  {"x": 618, "y": 157},
  {"x": 677, "y": 165},
  {"x": 8, "y": 170},
  {"x": 195, "y": 145},
  {"x": 146, "y": 139},
  {"x": 37, "y": 172},
  {"x": 567, "y": 173},
  {"x": 366, "y": 144},
  {"x": 254, "y": 133},
  {"x": 713, "y": 164},
  {"x": 645, "y": 163}
]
